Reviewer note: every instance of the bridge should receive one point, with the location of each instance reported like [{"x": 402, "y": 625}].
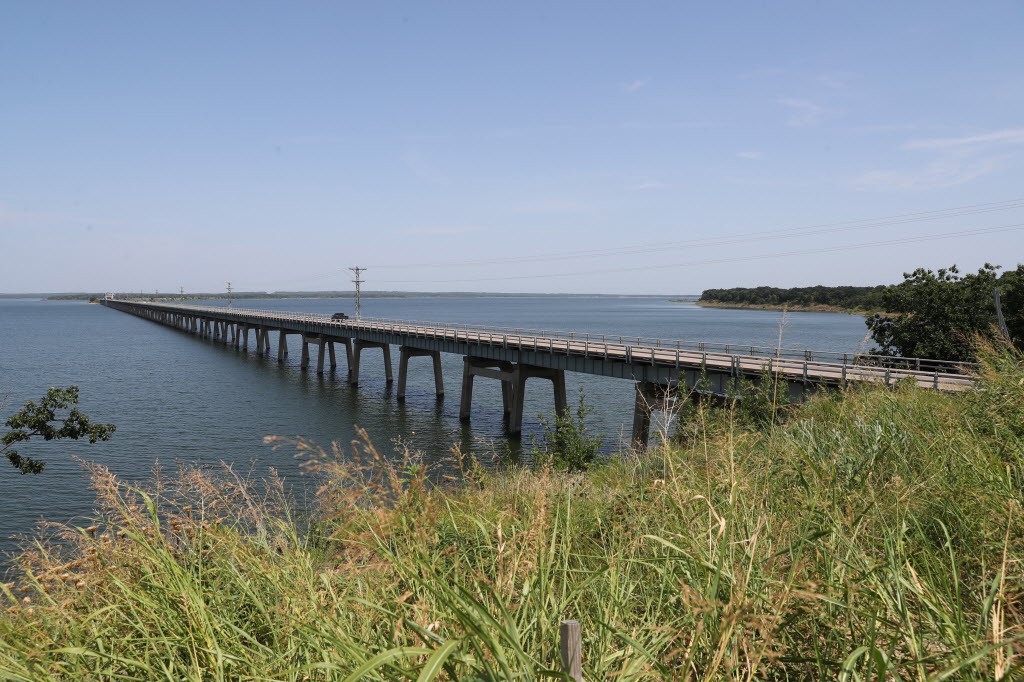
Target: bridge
[{"x": 659, "y": 367}]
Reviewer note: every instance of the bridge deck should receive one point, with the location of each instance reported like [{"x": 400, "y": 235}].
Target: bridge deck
[{"x": 637, "y": 358}]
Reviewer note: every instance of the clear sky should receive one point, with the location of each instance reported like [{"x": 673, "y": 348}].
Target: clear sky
[{"x": 632, "y": 147}]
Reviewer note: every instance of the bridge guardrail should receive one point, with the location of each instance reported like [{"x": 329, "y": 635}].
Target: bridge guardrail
[{"x": 632, "y": 348}]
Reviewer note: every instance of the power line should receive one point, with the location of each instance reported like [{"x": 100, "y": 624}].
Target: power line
[
  {"x": 734, "y": 238},
  {"x": 738, "y": 259},
  {"x": 724, "y": 240}
]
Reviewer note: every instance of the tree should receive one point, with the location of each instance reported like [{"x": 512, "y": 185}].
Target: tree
[
  {"x": 938, "y": 314},
  {"x": 568, "y": 443},
  {"x": 43, "y": 420}
]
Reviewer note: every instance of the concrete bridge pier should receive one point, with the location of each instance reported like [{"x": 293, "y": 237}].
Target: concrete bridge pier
[
  {"x": 245, "y": 338},
  {"x": 357, "y": 350},
  {"x": 513, "y": 387},
  {"x": 522, "y": 373},
  {"x": 649, "y": 397},
  {"x": 282, "y": 345},
  {"x": 262, "y": 340},
  {"x": 348, "y": 354},
  {"x": 404, "y": 353},
  {"x": 492, "y": 369},
  {"x": 321, "y": 343}
]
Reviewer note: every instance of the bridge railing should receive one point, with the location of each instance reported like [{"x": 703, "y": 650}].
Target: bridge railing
[{"x": 597, "y": 344}]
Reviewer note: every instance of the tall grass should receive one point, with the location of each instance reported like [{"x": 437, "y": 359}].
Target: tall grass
[{"x": 873, "y": 534}]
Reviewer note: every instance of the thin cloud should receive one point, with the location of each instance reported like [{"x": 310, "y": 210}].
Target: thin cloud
[
  {"x": 761, "y": 73},
  {"x": 653, "y": 184},
  {"x": 803, "y": 112},
  {"x": 637, "y": 84},
  {"x": 840, "y": 82},
  {"x": 750, "y": 155},
  {"x": 439, "y": 231},
  {"x": 1004, "y": 137},
  {"x": 939, "y": 174},
  {"x": 955, "y": 161}
]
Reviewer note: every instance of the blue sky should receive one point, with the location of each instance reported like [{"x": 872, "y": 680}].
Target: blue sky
[{"x": 638, "y": 147}]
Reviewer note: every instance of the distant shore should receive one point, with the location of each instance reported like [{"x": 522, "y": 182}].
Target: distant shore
[{"x": 788, "y": 308}]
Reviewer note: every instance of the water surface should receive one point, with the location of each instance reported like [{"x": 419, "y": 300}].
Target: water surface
[{"x": 176, "y": 398}]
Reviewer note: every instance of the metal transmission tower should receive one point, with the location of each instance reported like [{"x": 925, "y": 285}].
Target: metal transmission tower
[
  {"x": 181, "y": 290},
  {"x": 229, "y": 294},
  {"x": 358, "y": 282}
]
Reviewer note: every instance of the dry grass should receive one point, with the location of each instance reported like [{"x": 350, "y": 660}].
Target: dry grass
[{"x": 874, "y": 535}]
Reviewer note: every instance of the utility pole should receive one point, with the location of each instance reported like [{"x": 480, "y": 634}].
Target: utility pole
[
  {"x": 358, "y": 282},
  {"x": 229, "y": 294}
]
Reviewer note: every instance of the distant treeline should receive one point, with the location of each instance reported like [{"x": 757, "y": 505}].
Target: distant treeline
[{"x": 851, "y": 298}]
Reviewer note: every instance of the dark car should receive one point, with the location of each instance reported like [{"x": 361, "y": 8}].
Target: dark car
[{"x": 339, "y": 316}]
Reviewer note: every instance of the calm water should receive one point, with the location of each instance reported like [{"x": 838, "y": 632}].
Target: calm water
[{"x": 176, "y": 398}]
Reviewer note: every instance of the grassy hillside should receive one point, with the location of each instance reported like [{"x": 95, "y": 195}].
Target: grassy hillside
[{"x": 872, "y": 534}]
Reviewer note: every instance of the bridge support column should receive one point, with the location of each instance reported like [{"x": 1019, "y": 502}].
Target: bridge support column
[
  {"x": 358, "y": 346},
  {"x": 513, "y": 387},
  {"x": 524, "y": 372},
  {"x": 245, "y": 338},
  {"x": 349, "y": 362},
  {"x": 404, "y": 353},
  {"x": 320, "y": 348},
  {"x": 493, "y": 369},
  {"x": 648, "y": 397},
  {"x": 282, "y": 345}
]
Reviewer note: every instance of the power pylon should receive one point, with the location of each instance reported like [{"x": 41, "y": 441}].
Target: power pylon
[
  {"x": 358, "y": 282},
  {"x": 229, "y": 294}
]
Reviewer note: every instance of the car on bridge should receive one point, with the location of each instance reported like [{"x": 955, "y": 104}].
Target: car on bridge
[{"x": 339, "y": 316}]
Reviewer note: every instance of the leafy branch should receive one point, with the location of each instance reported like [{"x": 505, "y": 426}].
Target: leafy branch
[{"x": 46, "y": 420}]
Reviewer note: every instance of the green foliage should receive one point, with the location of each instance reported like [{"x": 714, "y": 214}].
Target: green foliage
[
  {"x": 938, "y": 314},
  {"x": 873, "y": 534},
  {"x": 749, "y": 405},
  {"x": 43, "y": 421},
  {"x": 847, "y": 297},
  {"x": 567, "y": 443}
]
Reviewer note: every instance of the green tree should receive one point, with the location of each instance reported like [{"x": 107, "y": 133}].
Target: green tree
[
  {"x": 937, "y": 314},
  {"x": 56, "y": 417},
  {"x": 568, "y": 442}
]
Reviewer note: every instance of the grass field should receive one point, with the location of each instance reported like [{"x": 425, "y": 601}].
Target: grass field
[{"x": 870, "y": 534}]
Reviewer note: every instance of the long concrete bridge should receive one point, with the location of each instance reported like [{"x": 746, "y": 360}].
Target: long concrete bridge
[{"x": 658, "y": 367}]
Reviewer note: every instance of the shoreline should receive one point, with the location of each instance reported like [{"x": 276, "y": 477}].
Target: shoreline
[{"x": 789, "y": 308}]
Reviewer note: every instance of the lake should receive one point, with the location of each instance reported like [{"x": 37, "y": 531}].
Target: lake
[{"x": 177, "y": 398}]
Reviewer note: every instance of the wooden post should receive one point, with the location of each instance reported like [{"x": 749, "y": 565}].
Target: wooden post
[{"x": 570, "y": 646}]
